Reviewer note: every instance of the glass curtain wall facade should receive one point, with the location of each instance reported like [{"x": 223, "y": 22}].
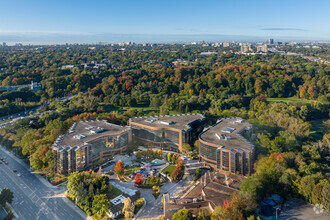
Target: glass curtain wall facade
[
  {"x": 75, "y": 159},
  {"x": 233, "y": 160},
  {"x": 160, "y": 137},
  {"x": 97, "y": 148}
]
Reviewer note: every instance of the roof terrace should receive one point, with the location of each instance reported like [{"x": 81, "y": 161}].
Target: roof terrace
[
  {"x": 82, "y": 132},
  {"x": 180, "y": 122},
  {"x": 226, "y": 133}
]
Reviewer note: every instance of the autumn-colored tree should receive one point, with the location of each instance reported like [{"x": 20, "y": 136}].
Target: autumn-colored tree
[
  {"x": 169, "y": 157},
  {"x": 174, "y": 158},
  {"x": 258, "y": 86},
  {"x": 120, "y": 168},
  {"x": 138, "y": 179},
  {"x": 128, "y": 209}
]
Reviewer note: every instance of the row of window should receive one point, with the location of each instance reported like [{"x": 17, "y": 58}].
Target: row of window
[
  {"x": 237, "y": 161},
  {"x": 76, "y": 160}
]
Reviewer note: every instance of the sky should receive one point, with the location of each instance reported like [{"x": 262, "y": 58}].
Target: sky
[{"x": 91, "y": 21}]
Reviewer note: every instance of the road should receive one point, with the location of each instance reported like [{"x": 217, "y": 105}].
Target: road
[
  {"x": 34, "y": 110},
  {"x": 34, "y": 198}
]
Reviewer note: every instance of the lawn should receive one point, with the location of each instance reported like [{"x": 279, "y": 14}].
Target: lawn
[
  {"x": 169, "y": 169},
  {"x": 131, "y": 169},
  {"x": 317, "y": 130},
  {"x": 115, "y": 192},
  {"x": 289, "y": 100}
]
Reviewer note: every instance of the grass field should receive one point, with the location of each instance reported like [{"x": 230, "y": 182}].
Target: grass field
[
  {"x": 130, "y": 170},
  {"x": 169, "y": 169},
  {"x": 289, "y": 100},
  {"x": 317, "y": 129},
  {"x": 115, "y": 192}
]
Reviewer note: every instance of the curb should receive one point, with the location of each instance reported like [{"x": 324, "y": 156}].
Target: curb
[
  {"x": 137, "y": 214},
  {"x": 12, "y": 210}
]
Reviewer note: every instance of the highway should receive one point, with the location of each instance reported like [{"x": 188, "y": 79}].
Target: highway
[
  {"x": 34, "y": 110},
  {"x": 20, "y": 115},
  {"x": 34, "y": 198}
]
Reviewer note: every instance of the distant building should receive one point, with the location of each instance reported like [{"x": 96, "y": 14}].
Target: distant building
[
  {"x": 86, "y": 143},
  {"x": 208, "y": 53},
  {"x": 244, "y": 49},
  {"x": 222, "y": 147},
  {"x": 271, "y": 41},
  {"x": 168, "y": 131},
  {"x": 225, "y": 44},
  {"x": 67, "y": 67},
  {"x": 181, "y": 62},
  {"x": 262, "y": 48}
]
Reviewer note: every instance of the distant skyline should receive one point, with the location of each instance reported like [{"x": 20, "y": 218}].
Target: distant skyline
[{"x": 83, "y": 21}]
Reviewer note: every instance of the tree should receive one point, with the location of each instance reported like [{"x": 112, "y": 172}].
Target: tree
[
  {"x": 6, "y": 196},
  {"x": 169, "y": 157},
  {"x": 120, "y": 168},
  {"x": 182, "y": 214},
  {"x": 186, "y": 148},
  {"x": 201, "y": 215},
  {"x": 174, "y": 158},
  {"x": 100, "y": 204},
  {"x": 128, "y": 209},
  {"x": 138, "y": 179},
  {"x": 74, "y": 180},
  {"x": 196, "y": 146},
  {"x": 81, "y": 193},
  {"x": 155, "y": 191}
]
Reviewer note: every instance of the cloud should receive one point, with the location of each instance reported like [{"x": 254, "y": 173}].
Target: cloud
[{"x": 283, "y": 29}]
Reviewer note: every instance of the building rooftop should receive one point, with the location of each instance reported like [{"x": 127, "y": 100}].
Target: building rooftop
[
  {"x": 180, "y": 122},
  {"x": 82, "y": 132},
  {"x": 226, "y": 133}
]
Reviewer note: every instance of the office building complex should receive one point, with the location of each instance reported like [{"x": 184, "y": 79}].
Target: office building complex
[
  {"x": 87, "y": 142},
  {"x": 223, "y": 148},
  {"x": 168, "y": 131},
  {"x": 262, "y": 48}
]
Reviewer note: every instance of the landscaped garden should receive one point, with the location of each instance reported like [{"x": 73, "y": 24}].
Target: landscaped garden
[
  {"x": 169, "y": 170},
  {"x": 131, "y": 169},
  {"x": 149, "y": 155}
]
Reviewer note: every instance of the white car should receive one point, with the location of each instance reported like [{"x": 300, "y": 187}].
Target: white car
[{"x": 18, "y": 174}]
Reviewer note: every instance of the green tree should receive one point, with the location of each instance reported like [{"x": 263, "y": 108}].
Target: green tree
[
  {"x": 196, "y": 146},
  {"x": 186, "y": 148},
  {"x": 201, "y": 215},
  {"x": 6, "y": 196},
  {"x": 182, "y": 214},
  {"x": 74, "y": 180},
  {"x": 100, "y": 204}
]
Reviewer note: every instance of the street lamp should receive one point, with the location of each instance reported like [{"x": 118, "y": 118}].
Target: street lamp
[{"x": 276, "y": 213}]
